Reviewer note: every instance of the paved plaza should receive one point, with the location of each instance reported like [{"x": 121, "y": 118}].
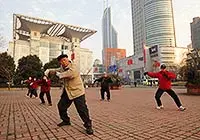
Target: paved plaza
[{"x": 130, "y": 115}]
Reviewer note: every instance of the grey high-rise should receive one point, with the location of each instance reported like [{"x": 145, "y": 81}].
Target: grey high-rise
[
  {"x": 108, "y": 31},
  {"x": 153, "y": 24},
  {"x": 195, "y": 32}
]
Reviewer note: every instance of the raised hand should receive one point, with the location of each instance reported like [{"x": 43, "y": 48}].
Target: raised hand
[{"x": 145, "y": 73}]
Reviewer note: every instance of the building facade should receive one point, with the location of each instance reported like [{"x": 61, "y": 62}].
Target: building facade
[
  {"x": 47, "y": 40},
  {"x": 138, "y": 24},
  {"x": 153, "y": 24},
  {"x": 131, "y": 68},
  {"x": 195, "y": 32},
  {"x": 98, "y": 69},
  {"x": 111, "y": 55}
]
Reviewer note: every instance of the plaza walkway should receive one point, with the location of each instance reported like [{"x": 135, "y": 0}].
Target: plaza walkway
[{"x": 130, "y": 115}]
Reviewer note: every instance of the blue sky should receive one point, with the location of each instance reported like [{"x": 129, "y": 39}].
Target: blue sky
[{"x": 88, "y": 13}]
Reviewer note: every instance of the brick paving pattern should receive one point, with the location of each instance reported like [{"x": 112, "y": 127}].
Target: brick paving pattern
[{"x": 130, "y": 115}]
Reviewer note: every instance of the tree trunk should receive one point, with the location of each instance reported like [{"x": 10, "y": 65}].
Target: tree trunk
[
  {"x": 9, "y": 86},
  {"x": 9, "y": 83}
]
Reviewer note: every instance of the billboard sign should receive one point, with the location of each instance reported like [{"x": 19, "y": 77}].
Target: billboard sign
[{"x": 153, "y": 51}]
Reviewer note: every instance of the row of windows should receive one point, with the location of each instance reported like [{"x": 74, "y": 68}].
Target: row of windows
[
  {"x": 161, "y": 44},
  {"x": 159, "y": 17},
  {"x": 150, "y": 14},
  {"x": 166, "y": 38},
  {"x": 162, "y": 28},
  {"x": 155, "y": 1},
  {"x": 147, "y": 2},
  {"x": 167, "y": 53},
  {"x": 162, "y": 40},
  {"x": 163, "y": 21},
  {"x": 158, "y": 43},
  {"x": 156, "y": 13},
  {"x": 154, "y": 27},
  {"x": 158, "y": 9},
  {"x": 159, "y": 34},
  {"x": 161, "y": 31}
]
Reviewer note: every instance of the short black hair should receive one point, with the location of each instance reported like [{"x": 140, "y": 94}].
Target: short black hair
[
  {"x": 163, "y": 66},
  {"x": 61, "y": 56}
]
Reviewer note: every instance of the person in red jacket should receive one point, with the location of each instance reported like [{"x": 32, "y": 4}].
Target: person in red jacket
[
  {"x": 165, "y": 78},
  {"x": 28, "y": 82},
  {"x": 45, "y": 89},
  {"x": 34, "y": 86}
]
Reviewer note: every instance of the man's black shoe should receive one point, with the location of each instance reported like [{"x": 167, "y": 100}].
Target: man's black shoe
[
  {"x": 89, "y": 130},
  {"x": 63, "y": 123}
]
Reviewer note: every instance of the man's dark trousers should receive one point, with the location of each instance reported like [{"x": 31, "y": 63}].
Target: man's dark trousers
[
  {"x": 81, "y": 107},
  {"x": 159, "y": 93},
  {"x": 107, "y": 90},
  {"x": 48, "y": 97}
]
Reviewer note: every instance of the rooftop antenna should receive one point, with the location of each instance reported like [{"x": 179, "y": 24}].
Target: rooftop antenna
[{"x": 105, "y": 4}]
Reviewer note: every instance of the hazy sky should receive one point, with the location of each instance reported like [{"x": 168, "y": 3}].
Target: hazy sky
[{"x": 88, "y": 13}]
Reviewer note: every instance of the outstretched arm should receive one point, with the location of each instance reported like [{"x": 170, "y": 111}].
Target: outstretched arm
[
  {"x": 52, "y": 70},
  {"x": 153, "y": 74},
  {"x": 68, "y": 74},
  {"x": 98, "y": 80}
]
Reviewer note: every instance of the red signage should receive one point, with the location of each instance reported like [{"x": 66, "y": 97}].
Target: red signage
[{"x": 130, "y": 61}]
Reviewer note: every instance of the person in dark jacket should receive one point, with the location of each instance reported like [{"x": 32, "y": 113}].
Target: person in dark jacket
[
  {"x": 105, "y": 80},
  {"x": 45, "y": 89},
  {"x": 165, "y": 78}
]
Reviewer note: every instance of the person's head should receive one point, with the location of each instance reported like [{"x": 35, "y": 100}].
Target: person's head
[
  {"x": 163, "y": 66},
  {"x": 105, "y": 74},
  {"x": 63, "y": 60},
  {"x": 34, "y": 78},
  {"x": 29, "y": 78},
  {"x": 44, "y": 77}
]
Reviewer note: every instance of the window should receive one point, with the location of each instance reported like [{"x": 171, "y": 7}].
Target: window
[{"x": 63, "y": 47}]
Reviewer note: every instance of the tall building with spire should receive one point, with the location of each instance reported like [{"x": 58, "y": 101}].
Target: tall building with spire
[
  {"x": 109, "y": 36},
  {"x": 109, "y": 32}
]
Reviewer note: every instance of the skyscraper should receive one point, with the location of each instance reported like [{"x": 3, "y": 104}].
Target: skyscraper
[
  {"x": 109, "y": 33},
  {"x": 138, "y": 25},
  {"x": 109, "y": 38},
  {"x": 195, "y": 32},
  {"x": 153, "y": 24}
]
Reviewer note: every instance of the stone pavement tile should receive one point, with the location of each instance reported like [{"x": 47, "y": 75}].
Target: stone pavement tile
[
  {"x": 131, "y": 114},
  {"x": 25, "y": 138},
  {"x": 178, "y": 138},
  {"x": 195, "y": 137},
  {"x": 42, "y": 136}
]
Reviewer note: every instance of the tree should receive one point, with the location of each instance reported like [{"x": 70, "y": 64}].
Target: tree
[
  {"x": 53, "y": 64},
  {"x": 182, "y": 72},
  {"x": 7, "y": 67},
  {"x": 28, "y": 66},
  {"x": 116, "y": 81},
  {"x": 193, "y": 68}
]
